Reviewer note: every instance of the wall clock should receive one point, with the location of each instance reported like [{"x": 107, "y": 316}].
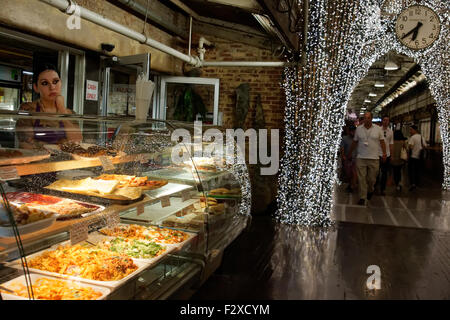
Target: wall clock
[{"x": 417, "y": 27}]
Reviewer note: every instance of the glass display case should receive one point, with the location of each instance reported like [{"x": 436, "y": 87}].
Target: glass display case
[{"x": 114, "y": 208}]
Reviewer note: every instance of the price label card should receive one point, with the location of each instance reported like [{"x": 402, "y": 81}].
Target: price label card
[
  {"x": 9, "y": 173},
  {"x": 106, "y": 163},
  {"x": 185, "y": 195},
  {"x": 112, "y": 219},
  {"x": 140, "y": 209},
  {"x": 78, "y": 232},
  {"x": 165, "y": 201}
]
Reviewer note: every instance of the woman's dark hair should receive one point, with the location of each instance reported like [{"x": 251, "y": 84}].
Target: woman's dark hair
[
  {"x": 41, "y": 68},
  {"x": 398, "y": 135}
]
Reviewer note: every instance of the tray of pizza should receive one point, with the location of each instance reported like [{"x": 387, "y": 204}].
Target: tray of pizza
[
  {"x": 84, "y": 263},
  {"x": 161, "y": 235},
  {"x": 143, "y": 251},
  {"x": 225, "y": 193},
  {"x": 62, "y": 208},
  {"x": 81, "y": 151},
  {"x": 133, "y": 181},
  {"x": 11, "y": 156},
  {"x": 103, "y": 189},
  {"x": 6, "y": 230},
  {"x": 51, "y": 288}
]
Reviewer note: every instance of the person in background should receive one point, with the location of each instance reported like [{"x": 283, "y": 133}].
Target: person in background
[
  {"x": 34, "y": 133},
  {"x": 385, "y": 165},
  {"x": 349, "y": 164},
  {"x": 368, "y": 138},
  {"x": 416, "y": 144},
  {"x": 397, "y": 162}
]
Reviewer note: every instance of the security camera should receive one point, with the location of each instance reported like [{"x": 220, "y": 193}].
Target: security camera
[{"x": 108, "y": 47}]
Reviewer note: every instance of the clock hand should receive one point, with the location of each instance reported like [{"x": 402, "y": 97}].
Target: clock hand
[
  {"x": 416, "y": 28},
  {"x": 419, "y": 24}
]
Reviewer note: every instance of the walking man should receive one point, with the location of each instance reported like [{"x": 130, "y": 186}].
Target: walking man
[
  {"x": 388, "y": 135},
  {"x": 416, "y": 144},
  {"x": 368, "y": 138}
]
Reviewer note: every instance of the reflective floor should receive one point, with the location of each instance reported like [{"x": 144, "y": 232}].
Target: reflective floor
[
  {"x": 406, "y": 235},
  {"x": 425, "y": 207}
]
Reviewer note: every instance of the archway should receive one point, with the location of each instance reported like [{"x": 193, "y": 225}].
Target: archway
[{"x": 344, "y": 39}]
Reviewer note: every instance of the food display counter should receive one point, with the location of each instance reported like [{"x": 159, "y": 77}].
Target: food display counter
[{"x": 125, "y": 213}]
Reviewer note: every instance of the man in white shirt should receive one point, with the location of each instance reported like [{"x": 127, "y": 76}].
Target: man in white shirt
[
  {"x": 368, "y": 138},
  {"x": 388, "y": 135},
  {"x": 416, "y": 144}
]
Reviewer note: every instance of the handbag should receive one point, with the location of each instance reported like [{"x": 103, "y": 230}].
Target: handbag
[{"x": 404, "y": 154}]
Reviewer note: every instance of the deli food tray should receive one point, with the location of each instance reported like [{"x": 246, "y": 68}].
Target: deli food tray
[
  {"x": 7, "y": 231},
  {"x": 34, "y": 277},
  {"x": 16, "y": 264},
  {"x": 11, "y": 156},
  {"x": 175, "y": 246},
  {"x": 91, "y": 198},
  {"x": 19, "y": 198},
  {"x": 97, "y": 237},
  {"x": 56, "y": 149}
]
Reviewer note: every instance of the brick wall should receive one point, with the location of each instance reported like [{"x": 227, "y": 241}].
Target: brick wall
[{"x": 265, "y": 81}]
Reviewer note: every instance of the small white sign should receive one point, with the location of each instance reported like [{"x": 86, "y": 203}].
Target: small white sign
[
  {"x": 112, "y": 219},
  {"x": 165, "y": 201},
  {"x": 185, "y": 195},
  {"x": 106, "y": 163},
  {"x": 91, "y": 90},
  {"x": 78, "y": 232},
  {"x": 9, "y": 173},
  {"x": 140, "y": 209}
]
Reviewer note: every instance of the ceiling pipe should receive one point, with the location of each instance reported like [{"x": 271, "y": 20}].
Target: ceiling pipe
[
  {"x": 201, "y": 49},
  {"x": 93, "y": 17},
  {"x": 190, "y": 36},
  {"x": 65, "y": 6},
  {"x": 244, "y": 63}
]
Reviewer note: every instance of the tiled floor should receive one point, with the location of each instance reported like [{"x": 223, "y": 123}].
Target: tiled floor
[
  {"x": 405, "y": 234},
  {"x": 427, "y": 208},
  {"x": 275, "y": 261}
]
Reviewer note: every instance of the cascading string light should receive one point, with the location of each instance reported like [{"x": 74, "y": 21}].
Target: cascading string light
[{"x": 344, "y": 39}]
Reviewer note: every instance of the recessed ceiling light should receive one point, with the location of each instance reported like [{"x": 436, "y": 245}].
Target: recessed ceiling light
[
  {"x": 379, "y": 84},
  {"x": 367, "y": 101},
  {"x": 371, "y": 94}
]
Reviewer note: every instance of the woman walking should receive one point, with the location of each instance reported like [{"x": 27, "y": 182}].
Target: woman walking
[{"x": 399, "y": 157}]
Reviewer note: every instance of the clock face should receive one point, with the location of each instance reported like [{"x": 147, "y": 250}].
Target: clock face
[{"x": 417, "y": 27}]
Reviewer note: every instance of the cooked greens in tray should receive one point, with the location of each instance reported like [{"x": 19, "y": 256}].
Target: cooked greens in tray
[{"x": 139, "y": 249}]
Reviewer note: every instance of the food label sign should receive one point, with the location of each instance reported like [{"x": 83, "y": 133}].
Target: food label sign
[
  {"x": 91, "y": 90},
  {"x": 9, "y": 173},
  {"x": 185, "y": 195},
  {"x": 112, "y": 219},
  {"x": 78, "y": 232},
  {"x": 165, "y": 201},
  {"x": 140, "y": 209},
  {"x": 106, "y": 163}
]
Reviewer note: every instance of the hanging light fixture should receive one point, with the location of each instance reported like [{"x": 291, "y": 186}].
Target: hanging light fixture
[{"x": 391, "y": 65}]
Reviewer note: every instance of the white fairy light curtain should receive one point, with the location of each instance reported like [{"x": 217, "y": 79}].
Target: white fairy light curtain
[{"x": 344, "y": 39}]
